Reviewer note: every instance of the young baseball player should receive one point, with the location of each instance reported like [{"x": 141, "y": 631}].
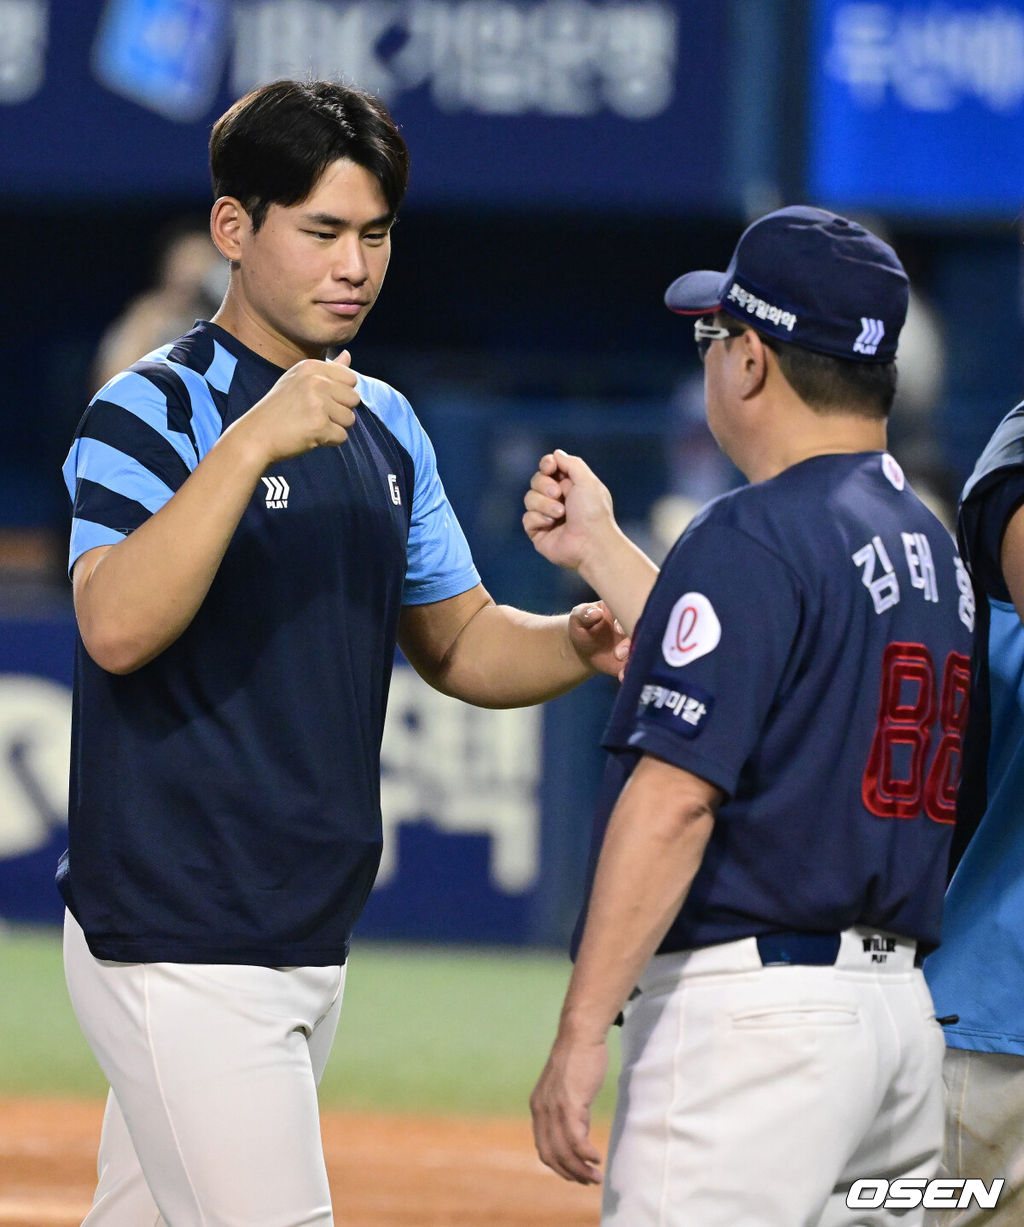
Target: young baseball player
[
  {"x": 769, "y": 858},
  {"x": 254, "y": 526},
  {"x": 978, "y": 972}
]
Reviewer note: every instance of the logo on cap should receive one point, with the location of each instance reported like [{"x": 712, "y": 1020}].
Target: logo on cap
[
  {"x": 871, "y": 334},
  {"x": 803, "y": 275},
  {"x": 758, "y": 307}
]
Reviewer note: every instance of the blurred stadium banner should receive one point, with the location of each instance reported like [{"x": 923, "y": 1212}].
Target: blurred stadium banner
[
  {"x": 113, "y": 98},
  {"x": 486, "y": 813},
  {"x": 916, "y": 106},
  {"x": 910, "y": 106}
]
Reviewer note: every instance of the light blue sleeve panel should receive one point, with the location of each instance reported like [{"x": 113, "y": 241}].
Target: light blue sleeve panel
[
  {"x": 113, "y": 469},
  {"x": 124, "y": 464},
  {"x": 439, "y": 561},
  {"x": 87, "y": 535},
  {"x": 102, "y": 465}
]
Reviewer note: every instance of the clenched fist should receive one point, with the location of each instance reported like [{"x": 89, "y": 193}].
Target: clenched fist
[{"x": 311, "y": 405}]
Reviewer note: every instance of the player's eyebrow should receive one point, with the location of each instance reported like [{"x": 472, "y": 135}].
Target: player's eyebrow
[{"x": 340, "y": 223}]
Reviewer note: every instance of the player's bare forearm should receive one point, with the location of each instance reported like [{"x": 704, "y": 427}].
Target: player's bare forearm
[
  {"x": 133, "y": 599},
  {"x": 652, "y": 850},
  {"x": 571, "y": 522},
  {"x": 496, "y": 656}
]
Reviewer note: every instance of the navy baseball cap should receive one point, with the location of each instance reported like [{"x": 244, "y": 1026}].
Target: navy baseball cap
[{"x": 810, "y": 277}]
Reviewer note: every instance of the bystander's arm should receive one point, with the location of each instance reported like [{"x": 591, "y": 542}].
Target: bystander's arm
[{"x": 1011, "y": 559}]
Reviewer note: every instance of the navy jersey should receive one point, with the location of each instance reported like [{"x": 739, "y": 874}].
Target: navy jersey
[
  {"x": 225, "y": 797},
  {"x": 983, "y": 923},
  {"x": 806, "y": 649}
]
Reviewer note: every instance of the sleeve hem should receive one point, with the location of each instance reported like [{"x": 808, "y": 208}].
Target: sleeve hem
[
  {"x": 679, "y": 755},
  {"x": 87, "y": 535},
  {"x": 426, "y": 593}
]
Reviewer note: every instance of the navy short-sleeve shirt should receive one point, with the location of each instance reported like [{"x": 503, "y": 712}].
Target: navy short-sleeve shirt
[
  {"x": 806, "y": 650},
  {"x": 225, "y": 797}
]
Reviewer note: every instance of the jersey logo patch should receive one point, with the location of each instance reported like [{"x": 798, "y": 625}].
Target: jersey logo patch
[
  {"x": 277, "y": 491},
  {"x": 893, "y": 471},
  {"x": 681, "y": 708},
  {"x": 396, "y": 493},
  {"x": 693, "y": 630}
]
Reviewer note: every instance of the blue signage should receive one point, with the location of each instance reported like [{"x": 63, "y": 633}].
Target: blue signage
[
  {"x": 166, "y": 55},
  {"x": 917, "y": 106},
  {"x": 510, "y": 102}
]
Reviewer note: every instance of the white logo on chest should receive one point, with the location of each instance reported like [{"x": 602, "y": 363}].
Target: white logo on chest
[
  {"x": 396, "y": 493},
  {"x": 693, "y": 630},
  {"x": 277, "y": 491}
]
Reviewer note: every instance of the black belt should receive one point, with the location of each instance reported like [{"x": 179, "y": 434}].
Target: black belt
[{"x": 803, "y": 950}]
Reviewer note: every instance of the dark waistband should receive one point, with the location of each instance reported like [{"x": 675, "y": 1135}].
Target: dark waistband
[
  {"x": 808, "y": 949},
  {"x": 804, "y": 949}
]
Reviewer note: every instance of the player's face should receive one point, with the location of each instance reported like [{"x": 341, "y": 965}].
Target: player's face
[{"x": 308, "y": 277}]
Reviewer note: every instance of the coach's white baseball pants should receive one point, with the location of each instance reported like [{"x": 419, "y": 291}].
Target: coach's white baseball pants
[
  {"x": 754, "y": 1096},
  {"x": 212, "y": 1118}
]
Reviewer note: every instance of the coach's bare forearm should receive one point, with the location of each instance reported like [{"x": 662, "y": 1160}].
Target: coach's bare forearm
[
  {"x": 620, "y": 573},
  {"x": 652, "y": 850},
  {"x": 135, "y": 598}
]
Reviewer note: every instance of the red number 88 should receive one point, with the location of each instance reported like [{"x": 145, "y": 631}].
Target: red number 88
[{"x": 906, "y": 716}]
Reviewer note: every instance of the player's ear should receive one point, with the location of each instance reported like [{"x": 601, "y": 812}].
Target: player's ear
[{"x": 229, "y": 225}]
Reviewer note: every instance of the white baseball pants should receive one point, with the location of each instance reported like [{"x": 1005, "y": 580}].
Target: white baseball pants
[
  {"x": 756, "y": 1095},
  {"x": 212, "y": 1118}
]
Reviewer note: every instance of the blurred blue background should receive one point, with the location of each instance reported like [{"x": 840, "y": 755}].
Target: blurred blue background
[{"x": 570, "y": 157}]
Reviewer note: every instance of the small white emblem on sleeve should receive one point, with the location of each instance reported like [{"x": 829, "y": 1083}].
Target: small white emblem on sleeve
[
  {"x": 893, "y": 471},
  {"x": 693, "y": 630}
]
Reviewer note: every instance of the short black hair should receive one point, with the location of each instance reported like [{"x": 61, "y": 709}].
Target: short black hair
[
  {"x": 829, "y": 384},
  {"x": 273, "y": 145}
]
